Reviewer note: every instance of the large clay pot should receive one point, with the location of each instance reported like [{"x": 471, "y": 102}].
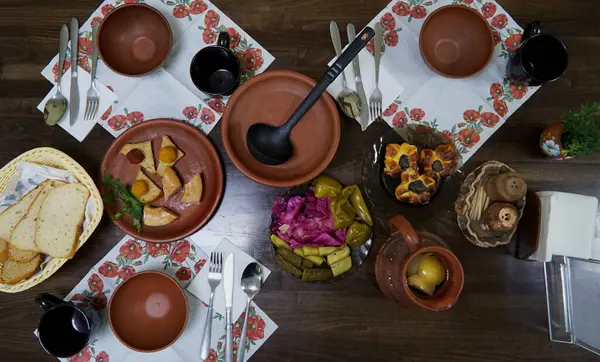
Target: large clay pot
[
  {"x": 392, "y": 262},
  {"x": 551, "y": 143}
]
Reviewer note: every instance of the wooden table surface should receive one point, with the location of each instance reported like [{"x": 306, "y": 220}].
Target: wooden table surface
[{"x": 501, "y": 314}]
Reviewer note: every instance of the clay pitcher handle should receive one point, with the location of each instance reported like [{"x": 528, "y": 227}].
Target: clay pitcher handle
[{"x": 400, "y": 224}]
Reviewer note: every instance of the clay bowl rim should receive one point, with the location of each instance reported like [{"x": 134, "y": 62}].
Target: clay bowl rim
[
  {"x": 335, "y": 141},
  {"x": 213, "y": 153},
  {"x": 112, "y": 297},
  {"x": 424, "y": 27},
  {"x": 148, "y": 7}
]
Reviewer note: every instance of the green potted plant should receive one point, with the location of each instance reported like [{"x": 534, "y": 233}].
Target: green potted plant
[{"x": 577, "y": 134}]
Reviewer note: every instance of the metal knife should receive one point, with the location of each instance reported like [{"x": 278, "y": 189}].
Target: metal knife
[
  {"x": 74, "y": 99},
  {"x": 364, "y": 109},
  {"x": 228, "y": 278}
]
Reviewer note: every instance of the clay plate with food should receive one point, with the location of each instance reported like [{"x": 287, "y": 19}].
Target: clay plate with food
[{"x": 162, "y": 180}]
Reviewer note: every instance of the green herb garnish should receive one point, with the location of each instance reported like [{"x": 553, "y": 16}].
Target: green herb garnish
[
  {"x": 581, "y": 134},
  {"x": 131, "y": 206}
]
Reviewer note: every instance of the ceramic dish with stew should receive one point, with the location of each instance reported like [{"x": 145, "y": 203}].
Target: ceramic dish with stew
[
  {"x": 456, "y": 41},
  {"x": 424, "y": 161},
  {"x": 134, "y": 39},
  {"x": 321, "y": 231},
  {"x": 148, "y": 312},
  {"x": 193, "y": 182},
  {"x": 271, "y": 98}
]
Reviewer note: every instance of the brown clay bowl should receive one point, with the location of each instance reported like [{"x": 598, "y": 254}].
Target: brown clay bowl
[
  {"x": 456, "y": 41},
  {"x": 200, "y": 157},
  {"x": 134, "y": 40},
  {"x": 148, "y": 312},
  {"x": 271, "y": 98}
]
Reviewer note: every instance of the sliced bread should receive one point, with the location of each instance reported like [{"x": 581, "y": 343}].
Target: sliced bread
[
  {"x": 23, "y": 235},
  {"x": 13, "y": 272},
  {"x": 60, "y": 220},
  {"x": 10, "y": 217},
  {"x": 3, "y": 251},
  {"x": 20, "y": 256}
]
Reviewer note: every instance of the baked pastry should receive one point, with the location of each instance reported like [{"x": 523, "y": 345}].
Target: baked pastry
[
  {"x": 170, "y": 182},
  {"x": 168, "y": 155},
  {"x": 145, "y": 148},
  {"x": 415, "y": 189},
  {"x": 157, "y": 216},
  {"x": 399, "y": 158},
  {"x": 144, "y": 188},
  {"x": 438, "y": 163},
  {"x": 192, "y": 191}
]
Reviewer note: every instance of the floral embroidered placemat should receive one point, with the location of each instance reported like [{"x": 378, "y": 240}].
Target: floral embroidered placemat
[
  {"x": 467, "y": 110},
  {"x": 182, "y": 260},
  {"x": 195, "y": 25}
]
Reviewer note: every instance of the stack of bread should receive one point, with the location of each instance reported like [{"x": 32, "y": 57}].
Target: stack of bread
[{"x": 46, "y": 220}]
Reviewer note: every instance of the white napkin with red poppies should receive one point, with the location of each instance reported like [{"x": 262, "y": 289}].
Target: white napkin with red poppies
[
  {"x": 195, "y": 25},
  {"x": 467, "y": 110},
  {"x": 182, "y": 260}
]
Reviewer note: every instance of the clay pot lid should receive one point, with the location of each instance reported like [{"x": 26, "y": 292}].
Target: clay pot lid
[
  {"x": 148, "y": 312},
  {"x": 200, "y": 157},
  {"x": 456, "y": 41},
  {"x": 271, "y": 98},
  {"x": 134, "y": 39}
]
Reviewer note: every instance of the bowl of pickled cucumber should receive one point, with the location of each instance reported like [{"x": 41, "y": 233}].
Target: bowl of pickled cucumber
[{"x": 321, "y": 231}]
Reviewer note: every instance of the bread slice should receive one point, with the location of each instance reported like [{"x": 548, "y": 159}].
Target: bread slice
[
  {"x": 170, "y": 182},
  {"x": 60, "y": 220},
  {"x": 166, "y": 142},
  {"x": 192, "y": 191},
  {"x": 10, "y": 217},
  {"x": 20, "y": 256},
  {"x": 23, "y": 235},
  {"x": 13, "y": 272},
  {"x": 146, "y": 148},
  {"x": 3, "y": 251},
  {"x": 154, "y": 191}
]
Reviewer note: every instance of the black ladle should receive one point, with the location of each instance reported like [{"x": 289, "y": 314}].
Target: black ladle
[{"x": 270, "y": 144}]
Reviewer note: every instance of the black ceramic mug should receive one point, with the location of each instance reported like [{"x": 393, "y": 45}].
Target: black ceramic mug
[
  {"x": 541, "y": 58},
  {"x": 215, "y": 69},
  {"x": 65, "y": 329}
]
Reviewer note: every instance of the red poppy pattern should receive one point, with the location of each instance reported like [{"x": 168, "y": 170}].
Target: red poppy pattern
[
  {"x": 216, "y": 104},
  {"x": 413, "y": 9},
  {"x": 126, "y": 120},
  {"x": 393, "y": 108},
  {"x": 503, "y": 94},
  {"x": 95, "y": 283},
  {"x": 400, "y": 119},
  {"x": 108, "y": 269},
  {"x": 89, "y": 354},
  {"x": 184, "y": 273},
  {"x": 130, "y": 250}
]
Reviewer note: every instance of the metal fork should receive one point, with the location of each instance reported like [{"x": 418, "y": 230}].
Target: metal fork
[
  {"x": 93, "y": 96},
  {"x": 375, "y": 99},
  {"x": 215, "y": 275}
]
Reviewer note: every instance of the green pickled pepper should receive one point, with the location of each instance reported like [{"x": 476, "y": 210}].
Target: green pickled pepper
[
  {"x": 342, "y": 211},
  {"x": 358, "y": 234},
  {"x": 358, "y": 203},
  {"x": 326, "y": 186}
]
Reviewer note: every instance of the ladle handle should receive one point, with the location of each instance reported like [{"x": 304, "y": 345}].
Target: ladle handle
[{"x": 330, "y": 75}]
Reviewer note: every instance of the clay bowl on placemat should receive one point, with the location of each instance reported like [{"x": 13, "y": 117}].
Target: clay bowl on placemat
[
  {"x": 456, "y": 41},
  {"x": 271, "y": 98},
  {"x": 148, "y": 312},
  {"x": 134, "y": 39},
  {"x": 200, "y": 157}
]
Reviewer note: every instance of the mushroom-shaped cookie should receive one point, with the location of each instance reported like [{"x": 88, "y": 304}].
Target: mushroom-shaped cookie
[
  {"x": 399, "y": 158},
  {"x": 415, "y": 189},
  {"x": 438, "y": 163}
]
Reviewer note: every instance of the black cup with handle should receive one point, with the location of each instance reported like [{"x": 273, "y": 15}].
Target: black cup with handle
[
  {"x": 65, "y": 329},
  {"x": 541, "y": 58},
  {"x": 215, "y": 69}
]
